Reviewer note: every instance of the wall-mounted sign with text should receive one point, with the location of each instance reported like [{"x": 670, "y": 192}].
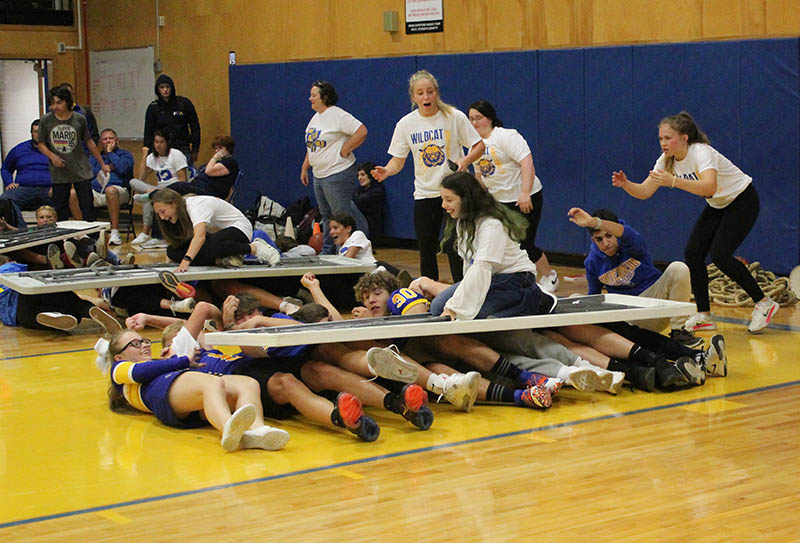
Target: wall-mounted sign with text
[{"x": 424, "y": 16}]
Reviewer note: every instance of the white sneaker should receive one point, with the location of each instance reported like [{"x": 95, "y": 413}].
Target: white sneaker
[
  {"x": 59, "y": 321},
  {"x": 715, "y": 359},
  {"x": 700, "y": 322},
  {"x": 266, "y": 437},
  {"x": 154, "y": 243},
  {"x": 387, "y": 363},
  {"x": 182, "y": 306},
  {"x": 114, "y": 239},
  {"x": 54, "y": 256},
  {"x": 549, "y": 283},
  {"x": 617, "y": 380},
  {"x": 762, "y": 314},
  {"x": 234, "y": 429},
  {"x": 586, "y": 380},
  {"x": 71, "y": 250},
  {"x": 141, "y": 238},
  {"x": 461, "y": 389},
  {"x": 266, "y": 253},
  {"x": 141, "y": 198}
]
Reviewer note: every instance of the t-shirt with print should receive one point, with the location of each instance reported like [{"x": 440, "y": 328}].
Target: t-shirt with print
[
  {"x": 731, "y": 181},
  {"x": 431, "y": 141},
  {"x": 217, "y": 214},
  {"x": 500, "y": 165},
  {"x": 359, "y": 239},
  {"x": 167, "y": 167},
  {"x": 65, "y": 138},
  {"x": 326, "y": 133}
]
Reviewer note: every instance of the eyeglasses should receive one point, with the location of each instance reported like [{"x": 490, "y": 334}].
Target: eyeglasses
[{"x": 136, "y": 343}]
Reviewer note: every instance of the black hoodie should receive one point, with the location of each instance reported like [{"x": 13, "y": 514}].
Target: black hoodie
[{"x": 176, "y": 115}]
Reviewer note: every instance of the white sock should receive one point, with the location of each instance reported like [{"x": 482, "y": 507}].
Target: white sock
[
  {"x": 435, "y": 383},
  {"x": 564, "y": 372},
  {"x": 581, "y": 363}
]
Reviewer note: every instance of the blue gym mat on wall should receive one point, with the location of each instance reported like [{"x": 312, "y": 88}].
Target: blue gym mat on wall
[{"x": 584, "y": 112}]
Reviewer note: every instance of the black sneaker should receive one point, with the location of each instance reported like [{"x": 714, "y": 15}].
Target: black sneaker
[
  {"x": 668, "y": 376},
  {"x": 690, "y": 369},
  {"x": 411, "y": 403},
  {"x": 686, "y": 338},
  {"x": 641, "y": 377}
]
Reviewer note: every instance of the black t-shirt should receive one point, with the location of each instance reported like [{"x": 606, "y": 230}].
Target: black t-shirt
[{"x": 221, "y": 185}]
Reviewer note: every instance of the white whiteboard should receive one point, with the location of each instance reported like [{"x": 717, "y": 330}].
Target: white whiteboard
[{"x": 122, "y": 87}]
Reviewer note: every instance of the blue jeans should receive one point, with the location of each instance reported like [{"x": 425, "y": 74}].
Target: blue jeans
[
  {"x": 510, "y": 295},
  {"x": 24, "y": 197},
  {"x": 334, "y": 195}
]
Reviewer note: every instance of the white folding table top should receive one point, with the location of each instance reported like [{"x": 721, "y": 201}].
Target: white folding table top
[
  {"x": 46, "y": 281},
  {"x": 22, "y": 239},
  {"x": 594, "y": 309}
]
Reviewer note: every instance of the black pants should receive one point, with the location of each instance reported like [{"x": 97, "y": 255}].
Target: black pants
[
  {"x": 652, "y": 341},
  {"x": 83, "y": 190},
  {"x": 226, "y": 242},
  {"x": 428, "y": 219},
  {"x": 719, "y": 232},
  {"x": 142, "y": 299},
  {"x": 30, "y": 305},
  {"x": 529, "y": 243}
]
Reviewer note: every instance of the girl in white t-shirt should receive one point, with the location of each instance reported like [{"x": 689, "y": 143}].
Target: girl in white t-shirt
[
  {"x": 689, "y": 163},
  {"x": 435, "y": 134},
  {"x": 506, "y": 169},
  {"x": 349, "y": 241},
  {"x": 499, "y": 278},
  {"x": 207, "y": 231},
  {"x": 169, "y": 165},
  {"x": 331, "y": 136}
]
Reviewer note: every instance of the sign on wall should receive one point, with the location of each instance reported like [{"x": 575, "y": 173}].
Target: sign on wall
[{"x": 424, "y": 16}]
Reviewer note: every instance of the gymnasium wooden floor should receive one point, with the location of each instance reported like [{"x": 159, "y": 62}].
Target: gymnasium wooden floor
[{"x": 716, "y": 463}]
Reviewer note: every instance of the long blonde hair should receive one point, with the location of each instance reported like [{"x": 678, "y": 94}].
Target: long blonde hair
[
  {"x": 116, "y": 399},
  {"x": 421, "y": 75},
  {"x": 683, "y": 123},
  {"x": 182, "y": 231}
]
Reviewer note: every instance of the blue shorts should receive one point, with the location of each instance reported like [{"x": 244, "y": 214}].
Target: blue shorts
[{"x": 155, "y": 395}]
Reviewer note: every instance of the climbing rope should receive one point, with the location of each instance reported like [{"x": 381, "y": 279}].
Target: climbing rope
[{"x": 722, "y": 290}]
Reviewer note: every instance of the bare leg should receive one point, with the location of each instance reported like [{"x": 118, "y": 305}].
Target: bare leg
[
  {"x": 604, "y": 340},
  {"x": 112, "y": 202},
  {"x": 322, "y": 376},
  {"x": 466, "y": 349},
  {"x": 543, "y": 267},
  {"x": 195, "y": 391},
  {"x": 584, "y": 351},
  {"x": 228, "y": 287},
  {"x": 284, "y": 388},
  {"x": 74, "y": 208},
  {"x": 242, "y": 390}
]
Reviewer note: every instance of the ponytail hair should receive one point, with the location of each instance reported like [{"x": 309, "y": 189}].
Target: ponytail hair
[{"x": 683, "y": 123}]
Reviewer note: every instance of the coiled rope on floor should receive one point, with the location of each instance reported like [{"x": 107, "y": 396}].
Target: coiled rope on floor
[{"x": 723, "y": 291}]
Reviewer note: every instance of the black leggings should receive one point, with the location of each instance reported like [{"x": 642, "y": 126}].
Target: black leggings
[
  {"x": 652, "y": 341},
  {"x": 226, "y": 242},
  {"x": 529, "y": 243},
  {"x": 719, "y": 232},
  {"x": 142, "y": 299},
  {"x": 83, "y": 190},
  {"x": 428, "y": 218},
  {"x": 30, "y": 305}
]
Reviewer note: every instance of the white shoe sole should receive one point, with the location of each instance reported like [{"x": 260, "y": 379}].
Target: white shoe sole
[
  {"x": 272, "y": 440},
  {"x": 108, "y": 322},
  {"x": 234, "y": 429},
  {"x": 586, "y": 380},
  {"x": 387, "y": 364},
  {"x": 58, "y": 321}
]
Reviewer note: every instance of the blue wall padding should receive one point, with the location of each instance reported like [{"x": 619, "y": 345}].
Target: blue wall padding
[{"x": 584, "y": 112}]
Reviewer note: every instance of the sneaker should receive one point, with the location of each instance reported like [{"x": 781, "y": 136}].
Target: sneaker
[
  {"x": 287, "y": 307},
  {"x": 54, "y": 256},
  {"x": 128, "y": 260},
  {"x": 553, "y": 385},
  {"x": 691, "y": 370},
  {"x": 641, "y": 377},
  {"x": 114, "y": 239},
  {"x": 233, "y": 261},
  {"x": 700, "y": 323},
  {"x": 387, "y": 363},
  {"x": 762, "y": 314},
  {"x": 461, "y": 389},
  {"x": 210, "y": 325},
  {"x": 235, "y": 427},
  {"x": 71, "y": 250},
  {"x": 549, "y": 305},
  {"x": 141, "y": 238},
  {"x": 171, "y": 282},
  {"x": 686, "y": 338},
  {"x": 266, "y": 253},
  {"x": 182, "y": 306},
  {"x": 154, "y": 243},
  {"x": 104, "y": 319},
  {"x": 668, "y": 376},
  {"x": 94, "y": 260},
  {"x": 549, "y": 283},
  {"x": 349, "y": 412},
  {"x": 404, "y": 278},
  {"x": 59, "y": 321},
  {"x": 412, "y": 404},
  {"x": 141, "y": 198},
  {"x": 715, "y": 359},
  {"x": 617, "y": 379},
  {"x": 266, "y": 437},
  {"x": 586, "y": 380},
  {"x": 537, "y": 396}
]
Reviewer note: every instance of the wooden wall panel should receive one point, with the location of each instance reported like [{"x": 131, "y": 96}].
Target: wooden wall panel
[{"x": 782, "y": 17}]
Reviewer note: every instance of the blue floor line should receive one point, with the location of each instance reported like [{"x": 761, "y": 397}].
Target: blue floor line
[{"x": 394, "y": 455}]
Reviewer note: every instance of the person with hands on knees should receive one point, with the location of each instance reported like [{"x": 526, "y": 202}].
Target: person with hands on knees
[
  {"x": 688, "y": 162},
  {"x": 61, "y": 133},
  {"x": 207, "y": 231},
  {"x": 435, "y": 133},
  {"x": 499, "y": 277},
  {"x": 619, "y": 261},
  {"x": 506, "y": 169}
]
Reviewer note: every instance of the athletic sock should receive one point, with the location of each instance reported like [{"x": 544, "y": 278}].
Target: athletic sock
[
  {"x": 393, "y": 402},
  {"x": 502, "y": 394},
  {"x": 643, "y": 356},
  {"x": 617, "y": 365},
  {"x": 505, "y": 368},
  {"x": 336, "y": 418}
]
